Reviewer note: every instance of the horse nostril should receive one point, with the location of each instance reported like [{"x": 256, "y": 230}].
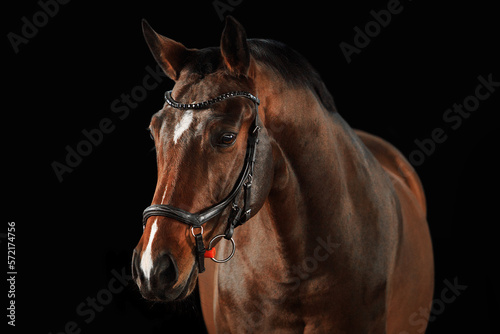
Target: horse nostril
[{"x": 165, "y": 270}]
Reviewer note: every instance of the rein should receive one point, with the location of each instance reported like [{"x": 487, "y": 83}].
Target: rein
[{"x": 238, "y": 215}]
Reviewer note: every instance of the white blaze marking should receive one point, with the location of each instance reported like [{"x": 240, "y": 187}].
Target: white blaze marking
[
  {"x": 183, "y": 125},
  {"x": 147, "y": 259},
  {"x": 164, "y": 193}
]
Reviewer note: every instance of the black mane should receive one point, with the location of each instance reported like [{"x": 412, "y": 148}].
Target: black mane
[{"x": 291, "y": 66}]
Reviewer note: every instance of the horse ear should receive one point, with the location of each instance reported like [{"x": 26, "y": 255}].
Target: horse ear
[
  {"x": 169, "y": 54},
  {"x": 234, "y": 47}
]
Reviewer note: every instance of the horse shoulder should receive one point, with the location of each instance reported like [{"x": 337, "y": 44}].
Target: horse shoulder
[
  {"x": 411, "y": 284},
  {"x": 392, "y": 160}
]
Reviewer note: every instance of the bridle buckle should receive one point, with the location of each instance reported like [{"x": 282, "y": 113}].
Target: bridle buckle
[{"x": 249, "y": 181}]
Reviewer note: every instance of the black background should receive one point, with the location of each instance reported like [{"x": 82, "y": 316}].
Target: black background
[{"x": 71, "y": 235}]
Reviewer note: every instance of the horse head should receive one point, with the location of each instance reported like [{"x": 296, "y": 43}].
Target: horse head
[{"x": 202, "y": 139}]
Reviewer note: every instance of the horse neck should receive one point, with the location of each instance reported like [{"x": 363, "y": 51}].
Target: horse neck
[{"x": 322, "y": 170}]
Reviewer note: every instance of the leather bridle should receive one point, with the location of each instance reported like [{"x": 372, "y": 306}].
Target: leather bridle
[{"x": 238, "y": 215}]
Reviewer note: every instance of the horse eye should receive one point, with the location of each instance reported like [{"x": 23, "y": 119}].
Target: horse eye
[
  {"x": 227, "y": 139},
  {"x": 151, "y": 134}
]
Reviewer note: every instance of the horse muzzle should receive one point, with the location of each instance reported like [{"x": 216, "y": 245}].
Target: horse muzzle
[{"x": 159, "y": 280}]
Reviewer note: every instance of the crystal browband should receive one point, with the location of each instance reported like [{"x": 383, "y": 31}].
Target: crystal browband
[{"x": 205, "y": 104}]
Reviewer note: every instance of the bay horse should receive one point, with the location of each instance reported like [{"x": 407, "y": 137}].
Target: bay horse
[{"x": 335, "y": 237}]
